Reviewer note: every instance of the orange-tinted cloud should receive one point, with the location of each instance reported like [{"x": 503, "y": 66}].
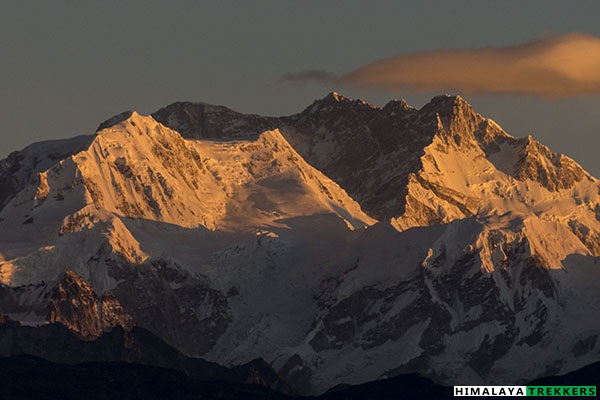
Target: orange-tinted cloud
[
  {"x": 555, "y": 66},
  {"x": 558, "y": 66}
]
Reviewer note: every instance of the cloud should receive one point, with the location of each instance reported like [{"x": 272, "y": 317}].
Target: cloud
[
  {"x": 554, "y": 66},
  {"x": 311, "y": 75}
]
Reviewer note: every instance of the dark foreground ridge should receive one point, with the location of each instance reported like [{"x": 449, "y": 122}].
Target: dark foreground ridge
[
  {"x": 27, "y": 377},
  {"x": 136, "y": 347}
]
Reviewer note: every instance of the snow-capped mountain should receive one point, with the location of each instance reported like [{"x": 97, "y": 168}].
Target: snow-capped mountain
[{"x": 342, "y": 244}]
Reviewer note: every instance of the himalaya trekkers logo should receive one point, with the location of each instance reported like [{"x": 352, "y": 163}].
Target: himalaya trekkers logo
[{"x": 562, "y": 391}]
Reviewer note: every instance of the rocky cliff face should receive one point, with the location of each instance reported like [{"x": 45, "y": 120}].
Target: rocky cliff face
[
  {"x": 70, "y": 301},
  {"x": 74, "y": 304}
]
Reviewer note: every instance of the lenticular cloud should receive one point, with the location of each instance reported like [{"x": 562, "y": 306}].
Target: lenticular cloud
[{"x": 556, "y": 66}]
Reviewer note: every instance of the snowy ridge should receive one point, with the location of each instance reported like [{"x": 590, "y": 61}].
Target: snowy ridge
[
  {"x": 140, "y": 169},
  {"x": 237, "y": 236},
  {"x": 21, "y": 167}
]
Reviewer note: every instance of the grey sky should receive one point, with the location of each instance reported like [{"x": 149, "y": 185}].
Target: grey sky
[{"x": 67, "y": 65}]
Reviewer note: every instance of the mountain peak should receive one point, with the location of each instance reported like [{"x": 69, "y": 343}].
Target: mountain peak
[
  {"x": 453, "y": 114},
  {"x": 396, "y": 106},
  {"x": 74, "y": 303},
  {"x": 192, "y": 107},
  {"x": 335, "y": 101},
  {"x": 71, "y": 276},
  {"x": 446, "y": 101},
  {"x": 115, "y": 119},
  {"x": 204, "y": 120},
  {"x": 133, "y": 117},
  {"x": 336, "y": 96}
]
